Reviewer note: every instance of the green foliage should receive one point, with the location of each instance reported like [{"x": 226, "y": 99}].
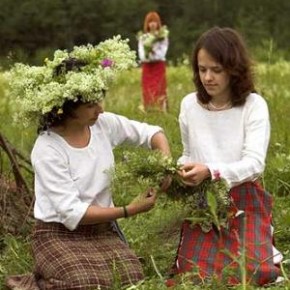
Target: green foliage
[
  {"x": 207, "y": 204},
  {"x": 154, "y": 236},
  {"x": 27, "y": 27},
  {"x": 15, "y": 257},
  {"x": 273, "y": 83}
]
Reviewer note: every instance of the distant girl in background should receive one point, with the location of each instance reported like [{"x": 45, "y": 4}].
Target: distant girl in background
[{"x": 152, "y": 49}]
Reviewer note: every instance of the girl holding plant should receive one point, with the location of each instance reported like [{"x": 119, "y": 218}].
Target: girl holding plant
[
  {"x": 152, "y": 49},
  {"x": 77, "y": 243},
  {"x": 225, "y": 134}
]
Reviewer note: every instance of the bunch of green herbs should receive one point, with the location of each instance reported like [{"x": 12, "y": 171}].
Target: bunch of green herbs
[{"x": 207, "y": 204}]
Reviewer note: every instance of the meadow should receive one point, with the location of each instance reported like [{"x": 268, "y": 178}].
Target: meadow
[{"x": 154, "y": 236}]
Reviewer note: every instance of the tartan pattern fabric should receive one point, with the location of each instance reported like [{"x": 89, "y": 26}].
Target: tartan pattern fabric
[
  {"x": 216, "y": 253},
  {"x": 22, "y": 282},
  {"x": 154, "y": 83},
  {"x": 90, "y": 257}
]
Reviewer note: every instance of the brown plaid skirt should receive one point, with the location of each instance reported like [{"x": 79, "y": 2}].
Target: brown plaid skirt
[
  {"x": 216, "y": 254},
  {"x": 90, "y": 257}
]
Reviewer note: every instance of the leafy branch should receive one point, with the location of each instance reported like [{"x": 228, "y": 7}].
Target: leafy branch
[{"x": 207, "y": 204}]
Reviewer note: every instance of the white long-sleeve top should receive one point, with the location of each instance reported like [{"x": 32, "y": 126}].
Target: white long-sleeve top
[
  {"x": 159, "y": 50},
  {"x": 232, "y": 142},
  {"x": 68, "y": 179}
]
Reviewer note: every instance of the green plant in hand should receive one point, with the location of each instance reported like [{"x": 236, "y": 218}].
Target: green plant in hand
[{"x": 207, "y": 204}]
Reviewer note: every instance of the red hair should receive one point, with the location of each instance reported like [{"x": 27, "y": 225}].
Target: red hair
[{"x": 151, "y": 16}]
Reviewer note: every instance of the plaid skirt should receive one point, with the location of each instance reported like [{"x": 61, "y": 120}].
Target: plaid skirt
[
  {"x": 219, "y": 253},
  {"x": 154, "y": 84},
  {"x": 90, "y": 257}
]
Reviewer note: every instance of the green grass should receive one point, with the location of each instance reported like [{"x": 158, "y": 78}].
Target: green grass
[{"x": 154, "y": 235}]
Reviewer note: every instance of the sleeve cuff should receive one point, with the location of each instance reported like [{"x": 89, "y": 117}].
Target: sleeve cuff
[
  {"x": 215, "y": 173},
  {"x": 72, "y": 220},
  {"x": 154, "y": 131}
]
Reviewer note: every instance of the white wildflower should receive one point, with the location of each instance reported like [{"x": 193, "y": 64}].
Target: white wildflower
[{"x": 37, "y": 90}]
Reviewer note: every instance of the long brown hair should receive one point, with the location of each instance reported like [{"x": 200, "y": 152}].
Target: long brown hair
[
  {"x": 227, "y": 47},
  {"x": 151, "y": 16}
]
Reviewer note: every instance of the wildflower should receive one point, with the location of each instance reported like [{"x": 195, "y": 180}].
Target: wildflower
[
  {"x": 106, "y": 63},
  {"x": 37, "y": 90},
  {"x": 149, "y": 39},
  {"x": 59, "y": 111},
  {"x": 207, "y": 204}
]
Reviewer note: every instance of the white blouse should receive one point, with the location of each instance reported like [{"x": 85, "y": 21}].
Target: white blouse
[
  {"x": 68, "y": 179},
  {"x": 232, "y": 142}
]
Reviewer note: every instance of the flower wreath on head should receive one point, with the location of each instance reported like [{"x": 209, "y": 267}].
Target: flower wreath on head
[
  {"x": 149, "y": 39},
  {"x": 37, "y": 90}
]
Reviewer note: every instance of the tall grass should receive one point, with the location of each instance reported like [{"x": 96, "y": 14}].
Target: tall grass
[{"x": 153, "y": 235}]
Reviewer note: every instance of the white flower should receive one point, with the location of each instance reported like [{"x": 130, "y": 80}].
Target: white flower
[
  {"x": 149, "y": 39},
  {"x": 36, "y": 90}
]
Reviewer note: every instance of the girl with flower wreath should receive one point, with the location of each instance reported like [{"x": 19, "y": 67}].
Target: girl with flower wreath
[
  {"x": 76, "y": 242},
  {"x": 225, "y": 133},
  {"x": 152, "y": 49}
]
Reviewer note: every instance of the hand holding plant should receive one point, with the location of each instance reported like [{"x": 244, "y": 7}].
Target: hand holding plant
[
  {"x": 143, "y": 202},
  {"x": 193, "y": 174},
  {"x": 204, "y": 201}
]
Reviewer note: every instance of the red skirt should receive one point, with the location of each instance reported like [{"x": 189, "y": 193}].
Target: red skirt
[
  {"x": 216, "y": 254},
  {"x": 154, "y": 84}
]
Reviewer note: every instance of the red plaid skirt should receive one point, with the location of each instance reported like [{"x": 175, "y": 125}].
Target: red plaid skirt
[
  {"x": 216, "y": 254},
  {"x": 154, "y": 83}
]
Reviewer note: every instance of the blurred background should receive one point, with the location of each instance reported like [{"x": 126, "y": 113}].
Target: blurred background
[{"x": 31, "y": 30}]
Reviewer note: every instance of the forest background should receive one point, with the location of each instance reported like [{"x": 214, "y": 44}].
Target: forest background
[{"x": 32, "y": 29}]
